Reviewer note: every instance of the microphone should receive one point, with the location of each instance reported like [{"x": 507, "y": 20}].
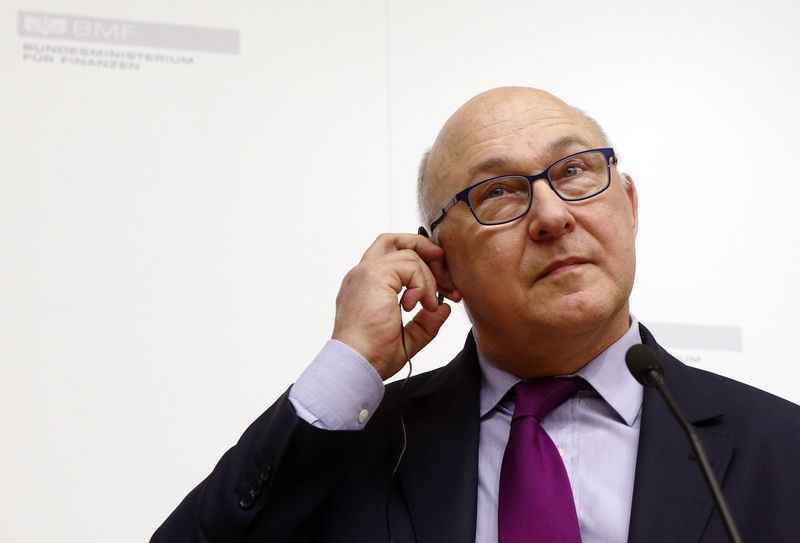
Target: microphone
[{"x": 644, "y": 365}]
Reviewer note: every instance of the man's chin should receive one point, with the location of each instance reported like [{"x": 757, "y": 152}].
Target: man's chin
[{"x": 575, "y": 313}]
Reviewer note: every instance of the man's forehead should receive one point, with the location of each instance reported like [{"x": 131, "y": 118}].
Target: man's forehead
[
  {"x": 507, "y": 115},
  {"x": 512, "y": 114},
  {"x": 552, "y": 150}
]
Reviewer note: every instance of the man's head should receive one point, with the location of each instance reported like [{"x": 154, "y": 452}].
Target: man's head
[{"x": 549, "y": 291}]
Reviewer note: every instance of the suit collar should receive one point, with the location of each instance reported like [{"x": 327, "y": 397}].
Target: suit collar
[
  {"x": 610, "y": 377},
  {"x": 670, "y": 499},
  {"x": 606, "y": 373}
]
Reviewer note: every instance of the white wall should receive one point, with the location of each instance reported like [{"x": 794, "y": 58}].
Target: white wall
[{"x": 173, "y": 236}]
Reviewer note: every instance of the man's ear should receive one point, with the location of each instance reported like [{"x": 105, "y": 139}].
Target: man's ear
[
  {"x": 444, "y": 281},
  {"x": 633, "y": 198}
]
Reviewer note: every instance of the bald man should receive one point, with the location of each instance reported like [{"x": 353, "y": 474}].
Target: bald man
[{"x": 532, "y": 229}]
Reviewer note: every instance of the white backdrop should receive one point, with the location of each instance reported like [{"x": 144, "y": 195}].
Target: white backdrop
[{"x": 174, "y": 225}]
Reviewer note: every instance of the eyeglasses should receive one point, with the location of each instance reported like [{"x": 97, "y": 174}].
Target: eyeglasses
[{"x": 503, "y": 199}]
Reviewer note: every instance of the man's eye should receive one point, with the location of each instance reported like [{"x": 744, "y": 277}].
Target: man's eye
[
  {"x": 497, "y": 192},
  {"x": 571, "y": 171}
]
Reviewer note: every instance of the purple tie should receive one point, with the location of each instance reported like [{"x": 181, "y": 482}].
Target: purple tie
[{"x": 535, "y": 502}]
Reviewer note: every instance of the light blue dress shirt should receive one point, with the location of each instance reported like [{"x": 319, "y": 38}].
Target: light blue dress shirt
[{"x": 596, "y": 431}]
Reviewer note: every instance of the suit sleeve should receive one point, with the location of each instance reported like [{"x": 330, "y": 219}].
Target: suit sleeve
[{"x": 270, "y": 486}]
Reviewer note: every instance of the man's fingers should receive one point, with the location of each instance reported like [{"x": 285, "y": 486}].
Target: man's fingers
[
  {"x": 413, "y": 274},
  {"x": 424, "y": 327},
  {"x": 436, "y": 275},
  {"x": 390, "y": 243},
  {"x": 425, "y": 296},
  {"x": 412, "y": 246}
]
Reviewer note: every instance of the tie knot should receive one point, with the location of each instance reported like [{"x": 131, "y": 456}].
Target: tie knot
[{"x": 537, "y": 398}]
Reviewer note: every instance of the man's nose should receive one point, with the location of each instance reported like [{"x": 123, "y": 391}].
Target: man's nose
[{"x": 549, "y": 216}]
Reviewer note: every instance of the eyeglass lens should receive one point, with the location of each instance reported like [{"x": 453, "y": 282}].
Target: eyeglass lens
[{"x": 507, "y": 198}]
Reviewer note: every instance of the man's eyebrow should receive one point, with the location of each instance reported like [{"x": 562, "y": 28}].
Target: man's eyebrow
[
  {"x": 567, "y": 141},
  {"x": 491, "y": 163},
  {"x": 503, "y": 162}
]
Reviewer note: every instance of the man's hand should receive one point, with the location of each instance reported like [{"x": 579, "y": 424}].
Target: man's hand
[{"x": 367, "y": 317}]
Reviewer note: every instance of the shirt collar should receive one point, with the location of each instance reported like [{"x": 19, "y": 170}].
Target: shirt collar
[{"x": 607, "y": 374}]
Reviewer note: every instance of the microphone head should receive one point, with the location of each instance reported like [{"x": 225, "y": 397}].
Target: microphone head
[{"x": 644, "y": 365}]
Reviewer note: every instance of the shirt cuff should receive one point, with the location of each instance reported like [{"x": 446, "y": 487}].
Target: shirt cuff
[{"x": 339, "y": 390}]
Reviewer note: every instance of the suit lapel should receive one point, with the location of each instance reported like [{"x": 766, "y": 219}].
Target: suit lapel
[
  {"x": 439, "y": 473},
  {"x": 671, "y": 501}
]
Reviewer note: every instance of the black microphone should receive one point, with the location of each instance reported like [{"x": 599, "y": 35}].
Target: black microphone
[{"x": 644, "y": 365}]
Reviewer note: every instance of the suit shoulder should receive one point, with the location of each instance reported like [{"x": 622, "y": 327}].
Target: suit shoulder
[
  {"x": 747, "y": 406},
  {"x": 744, "y": 392}
]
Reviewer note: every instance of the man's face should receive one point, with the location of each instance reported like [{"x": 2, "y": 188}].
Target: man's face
[{"x": 565, "y": 269}]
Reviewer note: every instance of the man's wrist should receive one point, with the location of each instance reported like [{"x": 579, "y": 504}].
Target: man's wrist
[{"x": 339, "y": 390}]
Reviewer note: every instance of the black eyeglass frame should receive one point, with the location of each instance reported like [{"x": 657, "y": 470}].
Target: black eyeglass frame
[{"x": 463, "y": 196}]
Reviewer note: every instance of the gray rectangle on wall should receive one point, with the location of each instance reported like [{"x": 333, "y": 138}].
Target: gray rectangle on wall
[{"x": 697, "y": 336}]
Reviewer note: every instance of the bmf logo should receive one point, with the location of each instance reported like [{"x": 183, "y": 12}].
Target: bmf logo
[
  {"x": 44, "y": 25},
  {"x": 102, "y": 31},
  {"x": 120, "y": 32},
  {"x": 50, "y": 26}
]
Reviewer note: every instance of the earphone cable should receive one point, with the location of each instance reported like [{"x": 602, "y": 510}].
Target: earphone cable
[{"x": 402, "y": 423}]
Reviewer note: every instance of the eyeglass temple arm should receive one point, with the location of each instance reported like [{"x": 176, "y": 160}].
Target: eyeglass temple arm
[{"x": 445, "y": 209}]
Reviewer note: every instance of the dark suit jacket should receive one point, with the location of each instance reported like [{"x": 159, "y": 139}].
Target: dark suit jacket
[{"x": 288, "y": 481}]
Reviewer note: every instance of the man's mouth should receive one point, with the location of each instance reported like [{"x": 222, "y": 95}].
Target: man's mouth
[{"x": 564, "y": 265}]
